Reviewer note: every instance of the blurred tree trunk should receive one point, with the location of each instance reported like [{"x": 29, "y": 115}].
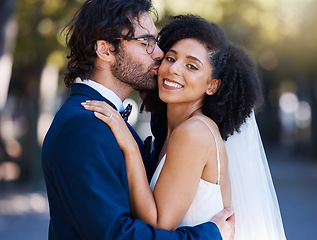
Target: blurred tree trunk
[
  {"x": 31, "y": 168},
  {"x": 29, "y": 61},
  {"x": 6, "y": 11},
  {"x": 313, "y": 102}
]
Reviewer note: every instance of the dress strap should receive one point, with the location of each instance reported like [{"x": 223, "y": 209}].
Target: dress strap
[{"x": 218, "y": 158}]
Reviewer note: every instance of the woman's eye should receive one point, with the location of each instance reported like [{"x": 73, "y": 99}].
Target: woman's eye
[
  {"x": 170, "y": 59},
  {"x": 192, "y": 67}
]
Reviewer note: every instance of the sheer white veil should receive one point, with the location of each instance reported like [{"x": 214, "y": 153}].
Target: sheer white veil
[{"x": 257, "y": 213}]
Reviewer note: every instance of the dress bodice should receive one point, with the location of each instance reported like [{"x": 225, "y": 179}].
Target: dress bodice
[{"x": 207, "y": 201}]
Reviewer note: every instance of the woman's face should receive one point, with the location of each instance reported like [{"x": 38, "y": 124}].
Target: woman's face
[{"x": 185, "y": 73}]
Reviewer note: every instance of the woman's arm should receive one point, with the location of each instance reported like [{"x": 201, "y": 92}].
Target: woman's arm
[
  {"x": 179, "y": 178},
  {"x": 142, "y": 201},
  {"x": 186, "y": 157}
]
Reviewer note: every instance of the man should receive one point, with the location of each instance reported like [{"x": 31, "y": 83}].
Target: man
[{"x": 112, "y": 43}]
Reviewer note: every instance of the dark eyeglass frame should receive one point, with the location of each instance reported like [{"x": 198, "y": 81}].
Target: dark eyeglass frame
[{"x": 147, "y": 39}]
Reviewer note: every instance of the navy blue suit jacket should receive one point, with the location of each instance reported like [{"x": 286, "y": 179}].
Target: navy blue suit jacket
[{"x": 86, "y": 180}]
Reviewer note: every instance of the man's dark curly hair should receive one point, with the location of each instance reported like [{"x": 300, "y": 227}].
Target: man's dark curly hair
[
  {"x": 99, "y": 20},
  {"x": 240, "y": 88}
]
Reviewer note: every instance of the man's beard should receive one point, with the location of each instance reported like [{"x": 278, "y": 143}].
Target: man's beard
[{"x": 133, "y": 73}]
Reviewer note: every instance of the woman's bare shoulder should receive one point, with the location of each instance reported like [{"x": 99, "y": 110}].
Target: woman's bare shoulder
[
  {"x": 194, "y": 132},
  {"x": 199, "y": 126}
]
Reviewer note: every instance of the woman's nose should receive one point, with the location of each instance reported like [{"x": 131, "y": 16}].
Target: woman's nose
[{"x": 174, "y": 68}]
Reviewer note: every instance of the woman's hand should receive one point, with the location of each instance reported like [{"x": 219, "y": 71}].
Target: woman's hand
[
  {"x": 141, "y": 197},
  {"x": 113, "y": 119}
]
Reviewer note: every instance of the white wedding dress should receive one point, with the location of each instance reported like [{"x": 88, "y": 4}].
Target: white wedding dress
[
  {"x": 207, "y": 201},
  {"x": 202, "y": 209},
  {"x": 257, "y": 214}
]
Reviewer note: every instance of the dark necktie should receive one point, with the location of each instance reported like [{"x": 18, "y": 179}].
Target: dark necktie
[{"x": 126, "y": 112}]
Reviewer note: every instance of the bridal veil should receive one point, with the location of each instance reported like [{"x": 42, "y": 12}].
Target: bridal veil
[{"x": 257, "y": 213}]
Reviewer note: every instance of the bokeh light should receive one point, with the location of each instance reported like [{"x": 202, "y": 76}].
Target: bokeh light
[
  {"x": 9, "y": 171},
  {"x": 288, "y": 102},
  {"x": 303, "y": 115},
  {"x": 268, "y": 60},
  {"x": 24, "y": 204},
  {"x": 46, "y": 27},
  {"x": 13, "y": 148}
]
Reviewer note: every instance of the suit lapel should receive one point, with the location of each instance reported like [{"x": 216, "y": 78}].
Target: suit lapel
[{"x": 84, "y": 90}]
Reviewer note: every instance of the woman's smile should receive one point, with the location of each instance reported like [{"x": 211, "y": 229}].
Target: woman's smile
[{"x": 170, "y": 84}]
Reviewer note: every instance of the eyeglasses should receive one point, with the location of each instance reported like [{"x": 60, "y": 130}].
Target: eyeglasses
[{"x": 150, "y": 42}]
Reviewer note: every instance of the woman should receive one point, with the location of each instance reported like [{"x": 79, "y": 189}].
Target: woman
[{"x": 208, "y": 89}]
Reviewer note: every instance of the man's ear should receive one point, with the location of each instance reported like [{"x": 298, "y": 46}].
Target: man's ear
[
  {"x": 104, "y": 50},
  {"x": 213, "y": 86}
]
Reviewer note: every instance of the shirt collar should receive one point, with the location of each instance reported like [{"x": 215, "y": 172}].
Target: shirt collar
[{"x": 104, "y": 91}]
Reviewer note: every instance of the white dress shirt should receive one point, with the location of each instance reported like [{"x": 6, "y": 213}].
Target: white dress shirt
[{"x": 105, "y": 92}]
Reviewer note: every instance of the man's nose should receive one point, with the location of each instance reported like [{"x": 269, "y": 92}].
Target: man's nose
[{"x": 157, "y": 54}]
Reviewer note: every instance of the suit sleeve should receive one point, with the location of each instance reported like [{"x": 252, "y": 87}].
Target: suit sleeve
[{"x": 91, "y": 177}]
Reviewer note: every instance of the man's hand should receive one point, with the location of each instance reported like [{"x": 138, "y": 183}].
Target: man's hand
[{"x": 225, "y": 222}]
